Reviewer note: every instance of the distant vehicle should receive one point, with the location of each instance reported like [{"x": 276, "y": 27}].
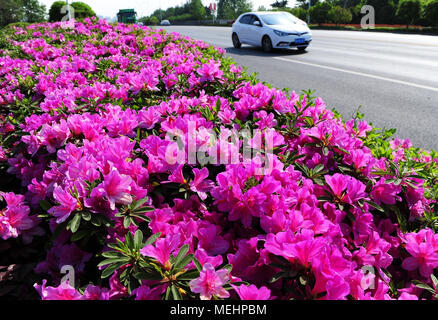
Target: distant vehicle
[
  {"x": 271, "y": 30},
  {"x": 127, "y": 16},
  {"x": 165, "y": 23}
]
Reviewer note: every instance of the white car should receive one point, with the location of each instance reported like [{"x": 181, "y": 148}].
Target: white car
[
  {"x": 271, "y": 30},
  {"x": 165, "y": 23}
]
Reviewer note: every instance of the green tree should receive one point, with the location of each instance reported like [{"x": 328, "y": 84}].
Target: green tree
[
  {"x": 81, "y": 10},
  {"x": 299, "y": 12},
  {"x": 280, "y": 4},
  {"x": 409, "y": 11},
  {"x": 10, "y": 11},
  {"x": 305, "y": 3},
  {"x": 319, "y": 13},
  {"x": 154, "y": 21},
  {"x": 385, "y": 10},
  {"x": 339, "y": 15},
  {"x": 21, "y": 10},
  {"x": 231, "y": 9},
  {"x": 430, "y": 12},
  {"x": 197, "y": 10},
  {"x": 33, "y": 11},
  {"x": 262, "y": 8}
]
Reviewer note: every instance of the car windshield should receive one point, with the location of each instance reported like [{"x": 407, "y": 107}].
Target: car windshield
[{"x": 278, "y": 18}]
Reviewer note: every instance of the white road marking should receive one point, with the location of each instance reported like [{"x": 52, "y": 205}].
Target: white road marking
[{"x": 360, "y": 74}]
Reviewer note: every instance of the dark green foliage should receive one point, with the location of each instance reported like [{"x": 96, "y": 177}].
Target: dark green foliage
[
  {"x": 339, "y": 15},
  {"x": 21, "y": 11},
  {"x": 81, "y": 10},
  {"x": 430, "y": 12}
]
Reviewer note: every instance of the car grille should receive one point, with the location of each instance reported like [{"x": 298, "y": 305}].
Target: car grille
[{"x": 297, "y": 33}]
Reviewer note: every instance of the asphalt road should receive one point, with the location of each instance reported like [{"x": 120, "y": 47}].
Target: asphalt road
[{"x": 393, "y": 77}]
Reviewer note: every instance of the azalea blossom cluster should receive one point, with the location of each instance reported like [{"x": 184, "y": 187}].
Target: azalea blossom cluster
[{"x": 93, "y": 120}]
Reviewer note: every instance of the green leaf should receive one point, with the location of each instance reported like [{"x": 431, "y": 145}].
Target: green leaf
[
  {"x": 75, "y": 223},
  {"x": 138, "y": 240},
  {"x": 129, "y": 241},
  {"x": 318, "y": 168},
  {"x": 80, "y": 234},
  {"x": 45, "y": 205},
  {"x": 434, "y": 280},
  {"x": 228, "y": 267},
  {"x": 112, "y": 254},
  {"x": 105, "y": 262},
  {"x": 375, "y": 205},
  {"x": 139, "y": 203},
  {"x": 181, "y": 264},
  {"x": 422, "y": 285},
  {"x": 182, "y": 253},
  {"x": 153, "y": 238},
  {"x": 175, "y": 293},
  {"x": 110, "y": 270},
  {"x": 96, "y": 221},
  {"x": 197, "y": 264},
  {"x": 167, "y": 295},
  {"x": 143, "y": 210},
  {"x": 127, "y": 222},
  {"x": 189, "y": 275},
  {"x": 86, "y": 216},
  {"x": 277, "y": 277}
]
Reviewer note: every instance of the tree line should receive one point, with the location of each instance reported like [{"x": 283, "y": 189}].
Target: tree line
[
  {"x": 194, "y": 10},
  {"x": 407, "y": 12},
  {"x": 31, "y": 11}
]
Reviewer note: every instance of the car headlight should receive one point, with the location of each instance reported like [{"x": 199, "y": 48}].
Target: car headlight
[{"x": 281, "y": 33}]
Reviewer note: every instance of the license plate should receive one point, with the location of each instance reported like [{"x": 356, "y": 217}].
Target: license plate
[{"x": 300, "y": 40}]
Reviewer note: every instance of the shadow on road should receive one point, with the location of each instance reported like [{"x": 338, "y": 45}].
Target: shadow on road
[{"x": 258, "y": 52}]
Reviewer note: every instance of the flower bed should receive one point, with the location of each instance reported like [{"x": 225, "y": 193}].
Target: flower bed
[{"x": 121, "y": 178}]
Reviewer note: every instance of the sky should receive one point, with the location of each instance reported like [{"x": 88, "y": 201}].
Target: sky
[{"x": 109, "y": 8}]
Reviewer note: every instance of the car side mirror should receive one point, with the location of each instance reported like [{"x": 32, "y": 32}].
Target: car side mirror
[{"x": 257, "y": 23}]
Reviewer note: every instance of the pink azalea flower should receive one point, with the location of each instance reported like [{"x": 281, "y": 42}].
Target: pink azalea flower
[
  {"x": 423, "y": 248},
  {"x": 210, "y": 71},
  {"x": 144, "y": 292},
  {"x": 95, "y": 293},
  {"x": 163, "y": 249},
  {"x": 115, "y": 188},
  {"x": 251, "y": 292},
  {"x": 210, "y": 283},
  {"x": 385, "y": 192},
  {"x": 15, "y": 219},
  {"x": 63, "y": 292},
  {"x": 338, "y": 183},
  {"x": 67, "y": 204},
  {"x": 201, "y": 185},
  {"x": 337, "y": 289}
]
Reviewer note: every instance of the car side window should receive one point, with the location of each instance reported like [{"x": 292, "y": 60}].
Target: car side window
[
  {"x": 254, "y": 19},
  {"x": 245, "y": 19}
]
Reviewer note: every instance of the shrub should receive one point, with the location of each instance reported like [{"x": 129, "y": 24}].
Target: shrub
[
  {"x": 319, "y": 13},
  {"x": 81, "y": 10},
  {"x": 409, "y": 11},
  {"x": 154, "y": 21},
  {"x": 109, "y": 136},
  {"x": 430, "y": 12},
  {"x": 340, "y": 15}
]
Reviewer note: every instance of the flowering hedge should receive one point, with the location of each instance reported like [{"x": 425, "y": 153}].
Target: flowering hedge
[{"x": 92, "y": 121}]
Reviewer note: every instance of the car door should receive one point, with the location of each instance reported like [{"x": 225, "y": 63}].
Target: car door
[
  {"x": 254, "y": 31},
  {"x": 242, "y": 30}
]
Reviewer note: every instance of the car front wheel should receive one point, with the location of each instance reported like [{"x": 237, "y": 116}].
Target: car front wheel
[
  {"x": 266, "y": 44},
  {"x": 236, "y": 41}
]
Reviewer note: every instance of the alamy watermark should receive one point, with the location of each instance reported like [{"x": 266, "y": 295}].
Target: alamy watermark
[
  {"x": 69, "y": 275},
  {"x": 368, "y": 21},
  {"x": 68, "y": 20}
]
